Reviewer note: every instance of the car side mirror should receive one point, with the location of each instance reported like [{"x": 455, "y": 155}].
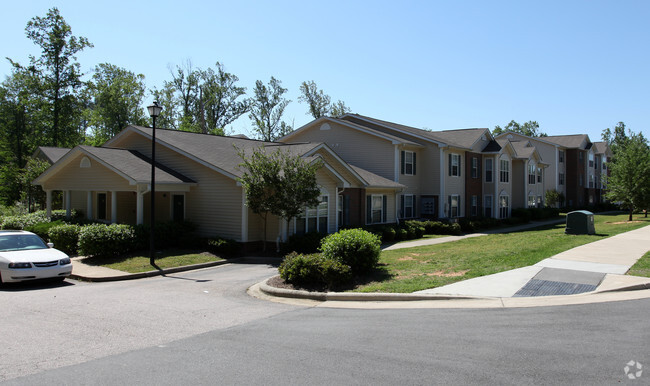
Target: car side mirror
[{"x": 50, "y": 245}]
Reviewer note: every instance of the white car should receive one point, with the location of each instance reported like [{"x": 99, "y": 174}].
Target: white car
[{"x": 25, "y": 256}]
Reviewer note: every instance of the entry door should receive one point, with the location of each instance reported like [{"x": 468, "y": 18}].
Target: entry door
[
  {"x": 178, "y": 210},
  {"x": 101, "y": 206}
]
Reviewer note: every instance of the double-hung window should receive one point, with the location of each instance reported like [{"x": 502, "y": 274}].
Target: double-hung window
[
  {"x": 376, "y": 208},
  {"x": 487, "y": 207},
  {"x": 561, "y": 179},
  {"x": 561, "y": 156},
  {"x": 531, "y": 201},
  {"x": 489, "y": 166},
  {"x": 314, "y": 219},
  {"x": 454, "y": 205},
  {"x": 454, "y": 165},
  {"x": 531, "y": 174},
  {"x": 504, "y": 171},
  {"x": 474, "y": 206},
  {"x": 475, "y": 173},
  {"x": 408, "y": 206},
  {"x": 539, "y": 175},
  {"x": 503, "y": 207},
  {"x": 408, "y": 162}
]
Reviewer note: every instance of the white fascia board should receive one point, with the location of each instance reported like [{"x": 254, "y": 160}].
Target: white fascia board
[
  {"x": 336, "y": 156},
  {"x": 400, "y": 131},
  {"x": 303, "y": 127}
]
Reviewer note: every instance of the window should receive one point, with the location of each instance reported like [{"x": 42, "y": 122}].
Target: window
[
  {"x": 101, "y": 206},
  {"x": 408, "y": 206},
  {"x": 539, "y": 201},
  {"x": 604, "y": 161},
  {"x": 531, "y": 173},
  {"x": 488, "y": 170},
  {"x": 487, "y": 207},
  {"x": 475, "y": 172},
  {"x": 454, "y": 205},
  {"x": 539, "y": 175},
  {"x": 376, "y": 206},
  {"x": 597, "y": 165},
  {"x": 531, "y": 200},
  {"x": 454, "y": 165},
  {"x": 580, "y": 180},
  {"x": 313, "y": 219},
  {"x": 591, "y": 160},
  {"x": 474, "y": 206},
  {"x": 581, "y": 157},
  {"x": 561, "y": 155},
  {"x": 408, "y": 162},
  {"x": 591, "y": 181},
  {"x": 504, "y": 171},
  {"x": 561, "y": 179},
  {"x": 503, "y": 207}
]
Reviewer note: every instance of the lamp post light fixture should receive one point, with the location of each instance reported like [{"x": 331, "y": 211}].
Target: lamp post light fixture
[{"x": 154, "y": 112}]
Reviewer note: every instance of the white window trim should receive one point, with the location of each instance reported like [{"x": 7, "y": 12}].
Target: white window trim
[
  {"x": 458, "y": 212},
  {"x": 412, "y": 196},
  {"x": 499, "y": 205},
  {"x": 508, "y": 163},
  {"x": 307, "y": 217},
  {"x": 406, "y": 153},
  {"x": 381, "y": 208},
  {"x": 472, "y": 168},
  {"x": 491, "y": 204},
  {"x": 491, "y": 170},
  {"x": 453, "y": 156},
  {"x": 472, "y": 206}
]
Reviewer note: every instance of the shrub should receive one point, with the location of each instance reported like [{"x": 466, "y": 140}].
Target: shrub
[
  {"x": 521, "y": 213},
  {"x": 314, "y": 270},
  {"x": 401, "y": 234},
  {"x": 65, "y": 238},
  {"x": 354, "y": 247},
  {"x": 388, "y": 234},
  {"x": 307, "y": 243},
  {"x": 106, "y": 240},
  {"x": 171, "y": 234},
  {"x": 227, "y": 247},
  {"x": 42, "y": 229}
]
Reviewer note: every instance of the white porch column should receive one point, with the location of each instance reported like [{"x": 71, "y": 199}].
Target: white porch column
[
  {"x": 140, "y": 207},
  {"x": 89, "y": 205},
  {"x": 48, "y": 201},
  {"x": 113, "y": 207},
  {"x": 68, "y": 204},
  {"x": 244, "y": 217}
]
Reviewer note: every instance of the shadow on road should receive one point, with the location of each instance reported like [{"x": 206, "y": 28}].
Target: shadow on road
[{"x": 34, "y": 285}]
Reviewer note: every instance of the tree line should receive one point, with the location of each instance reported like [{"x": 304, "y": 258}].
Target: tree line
[{"x": 47, "y": 102}]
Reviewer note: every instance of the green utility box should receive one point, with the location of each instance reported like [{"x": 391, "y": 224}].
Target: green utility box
[{"x": 580, "y": 222}]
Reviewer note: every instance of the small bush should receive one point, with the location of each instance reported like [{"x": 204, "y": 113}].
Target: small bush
[
  {"x": 521, "y": 213},
  {"x": 388, "y": 234},
  {"x": 226, "y": 247},
  {"x": 313, "y": 271},
  {"x": 401, "y": 234},
  {"x": 354, "y": 247},
  {"x": 106, "y": 240},
  {"x": 42, "y": 229},
  {"x": 65, "y": 238}
]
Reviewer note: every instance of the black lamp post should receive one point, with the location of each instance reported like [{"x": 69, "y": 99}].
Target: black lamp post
[{"x": 154, "y": 111}]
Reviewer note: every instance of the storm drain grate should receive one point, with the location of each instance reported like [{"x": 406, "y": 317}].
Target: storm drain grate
[{"x": 536, "y": 287}]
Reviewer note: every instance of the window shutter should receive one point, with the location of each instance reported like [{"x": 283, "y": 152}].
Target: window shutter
[
  {"x": 460, "y": 207},
  {"x": 368, "y": 209},
  {"x": 384, "y": 207},
  {"x": 450, "y": 164},
  {"x": 449, "y": 206},
  {"x": 346, "y": 210},
  {"x": 414, "y": 210},
  {"x": 403, "y": 163},
  {"x": 402, "y": 208},
  {"x": 413, "y": 163},
  {"x": 459, "y": 165}
]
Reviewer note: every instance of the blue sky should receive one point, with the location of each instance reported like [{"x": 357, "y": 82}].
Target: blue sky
[{"x": 573, "y": 66}]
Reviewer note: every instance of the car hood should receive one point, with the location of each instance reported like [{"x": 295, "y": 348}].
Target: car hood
[{"x": 32, "y": 255}]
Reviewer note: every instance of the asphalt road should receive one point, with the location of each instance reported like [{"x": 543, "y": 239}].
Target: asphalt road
[{"x": 170, "y": 331}]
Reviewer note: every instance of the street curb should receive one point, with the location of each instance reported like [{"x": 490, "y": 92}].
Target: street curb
[
  {"x": 350, "y": 296},
  {"x": 634, "y": 287},
  {"x": 141, "y": 275}
]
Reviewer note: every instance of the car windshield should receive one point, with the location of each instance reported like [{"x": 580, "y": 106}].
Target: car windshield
[{"x": 20, "y": 243}]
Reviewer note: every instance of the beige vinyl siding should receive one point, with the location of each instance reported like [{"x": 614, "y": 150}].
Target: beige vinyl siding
[
  {"x": 390, "y": 203},
  {"x": 455, "y": 185},
  {"x": 78, "y": 201},
  {"x": 342, "y": 171},
  {"x": 74, "y": 177},
  {"x": 429, "y": 169},
  {"x": 364, "y": 150}
]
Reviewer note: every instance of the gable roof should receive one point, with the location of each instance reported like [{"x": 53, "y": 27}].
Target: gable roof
[
  {"x": 522, "y": 137},
  {"x": 602, "y": 148},
  {"x": 131, "y": 165},
  {"x": 375, "y": 181},
  {"x": 51, "y": 154},
  {"x": 569, "y": 141}
]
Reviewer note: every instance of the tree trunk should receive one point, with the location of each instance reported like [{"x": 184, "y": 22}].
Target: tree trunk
[
  {"x": 264, "y": 237},
  {"x": 631, "y": 211}
]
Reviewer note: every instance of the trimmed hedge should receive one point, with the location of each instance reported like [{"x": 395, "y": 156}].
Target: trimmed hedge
[
  {"x": 65, "y": 238},
  {"x": 227, "y": 247},
  {"x": 314, "y": 270},
  {"x": 42, "y": 228},
  {"x": 354, "y": 247},
  {"x": 106, "y": 240},
  {"x": 307, "y": 243}
]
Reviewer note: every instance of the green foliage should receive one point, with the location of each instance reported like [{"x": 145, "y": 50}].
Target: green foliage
[
  {"x": 226, "y": 247},
  {"x": 320, "y": 104},
  {"x": 42, "y": 228},
  {"x": 171, "y": 234},
  {"x": 65, "y": 238},
  {"x": 354, "y": 247},
  {"x": 307, "y": 243},
  {"x": 530, "y": 129},
  {"x": 106, "y": 240},
  {"x": 554, "y": 198},
  {"x": 314, "y": 271},
  {"x": 22, "y": 221},
  {"x": 266, "y": 109},
  {"x": 628, "y": 182},
  {"x": 33, "y": 195}
]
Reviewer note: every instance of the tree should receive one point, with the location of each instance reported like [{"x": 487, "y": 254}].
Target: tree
[
  {"x": 616, "y": 136},
  {"x": 530, "y": 129},
  {"x": 219, "y": 100},
  {"x": 279, "y": 183},
  {"x": 320, "y": 104},
  {"x": 33, "y": 195},
  {"x": 266, "y": 109},
  {"x": 59, "y": 77},
  {"x": 554, "y": 198},
  {"x": 628, "y": 181},
  {"x": 117, "y": 101}
]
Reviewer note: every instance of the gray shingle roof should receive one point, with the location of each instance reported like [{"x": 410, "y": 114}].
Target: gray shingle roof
[
  {"x": 375, "y": 181},
  {"x": 569, "y": 141},
  {"x": 135, "y": 166},
  {"x": 601, "y": 147},
  {"x": 53, "y": 154},
  {"x": 219, "y": 151}
]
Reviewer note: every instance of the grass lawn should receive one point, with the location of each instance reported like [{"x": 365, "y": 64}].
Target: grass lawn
[
  {"x": 642, "y": 267},
  {"x": 418, "y": 268},
  {"x": 167, "y": 259}
]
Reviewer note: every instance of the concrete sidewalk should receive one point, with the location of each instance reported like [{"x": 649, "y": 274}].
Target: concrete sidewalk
[{"x": 600, "y": 265}]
